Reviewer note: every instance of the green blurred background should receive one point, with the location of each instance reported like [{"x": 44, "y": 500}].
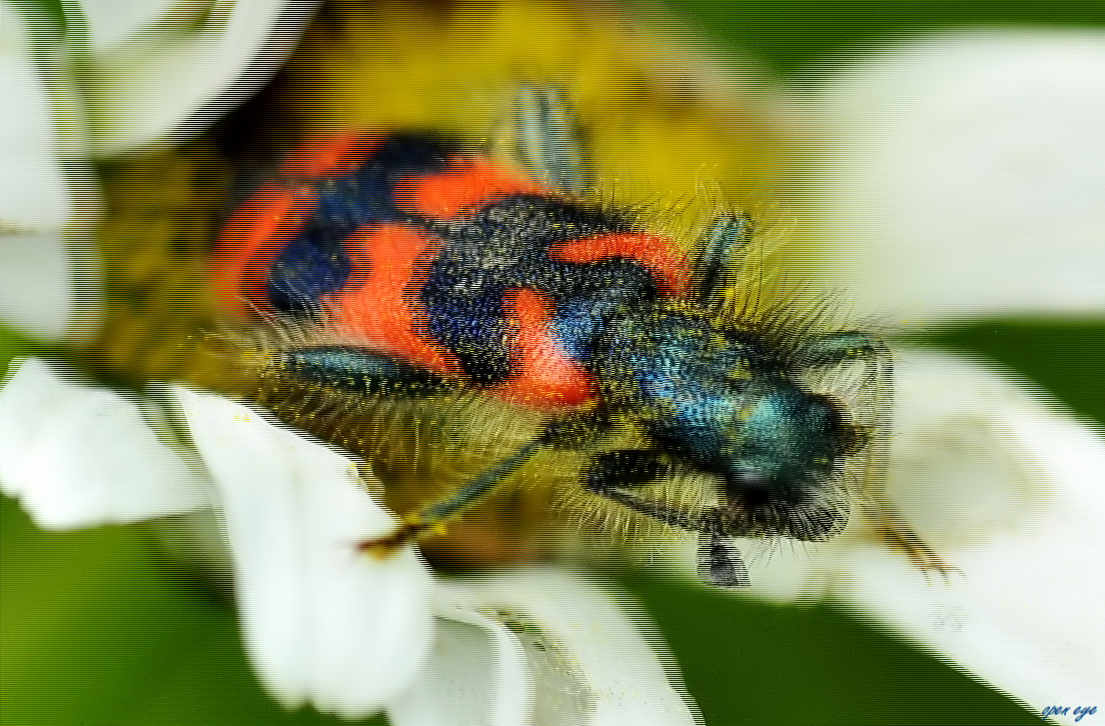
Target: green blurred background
[{"x": 97, "y": 629}]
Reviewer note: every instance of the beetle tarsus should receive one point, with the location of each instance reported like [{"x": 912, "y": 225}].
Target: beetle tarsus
[
  {"x": 720, "y": 562},
  {"x": 403, "y": 534}
]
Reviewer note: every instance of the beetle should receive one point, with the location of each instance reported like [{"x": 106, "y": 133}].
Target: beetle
[{"x": 445, "y": 271}]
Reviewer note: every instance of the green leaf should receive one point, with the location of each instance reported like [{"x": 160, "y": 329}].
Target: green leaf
[
  {"x": 1063, "y": 356},
  {"x": 791, "y": 34}
]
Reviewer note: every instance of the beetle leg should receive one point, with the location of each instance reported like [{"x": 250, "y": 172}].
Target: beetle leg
[
  {"x": 720, "y": 251},
  {"x": 614, "y": 474},
  {"x": 841, "y": 347},
  {"x": 611, "y": 475},
  {"x": 544, "y": 139},
  {"x": 349, "y": 369},
  {"x": 896, "y": 533},
  {"x": 433, "y": 517},
  {"x": 576, "y": 430},
  {"x": 613, "y": 470},
  {"x": 720, "y": 562}
]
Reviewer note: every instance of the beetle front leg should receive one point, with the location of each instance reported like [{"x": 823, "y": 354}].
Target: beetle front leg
[
  {"x": 841, "y": 347},
  {"x": 608, "y": 472},
  {"x": 720, "y": 562},
  {"x": 433, "y": 517},
  {"x": 614, "y": 474},
  {"x": 896, "y": 533}
]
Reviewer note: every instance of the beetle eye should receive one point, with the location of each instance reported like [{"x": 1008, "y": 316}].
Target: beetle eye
[
  {"x": 857, "y": 398},
  {"x": 848, "y": 438}
]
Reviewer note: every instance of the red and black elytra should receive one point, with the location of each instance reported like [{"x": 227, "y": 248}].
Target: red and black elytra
[{"x": 438, "y": 257}]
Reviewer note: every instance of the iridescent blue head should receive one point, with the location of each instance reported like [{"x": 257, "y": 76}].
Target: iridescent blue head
[{"x": 735, "y": 404}]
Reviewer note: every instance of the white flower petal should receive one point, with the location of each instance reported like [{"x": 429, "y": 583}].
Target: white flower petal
[
  {"x": 608, "y": 647},
  {"x": 34, "y": 194},
  {"x": 322, "y": 622},
  {"x": 79, "y": 456},
  {"x": 49, "y": 287},
  {"x": 1021, "y": 490},
  {"x": 111, "y": 22},
  {"x": 166, "y": 83},
  {"x": 476, "y": 675},
  {"x": 962, "y": 174},
  {"x": 1007, "y": 490},
  {"x": 957, "y": 468}
]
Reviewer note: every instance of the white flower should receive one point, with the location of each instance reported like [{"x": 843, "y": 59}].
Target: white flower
[
  {"x": 957, "y": 176},
  {"x": 48, "y": 201},
  {"x": 323, "y": 623},
  {"x": 150, "y": 72},
  {"x": 162, "y": 70},
  {"x": 961, "y": 175}
]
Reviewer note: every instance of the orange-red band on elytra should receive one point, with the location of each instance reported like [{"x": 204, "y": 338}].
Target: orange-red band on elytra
[
  {"x": 659, "y": 255},
  {"x": 543, "y": 374},
  {"x": 382, "y": 305},
  {"x": 252, "y": 239},
  {"x": 467, "y": 184},
  {"x": 332, "y": 156}
]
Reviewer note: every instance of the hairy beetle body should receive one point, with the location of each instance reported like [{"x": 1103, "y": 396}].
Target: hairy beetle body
[{"x": 436, "y": 272}]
